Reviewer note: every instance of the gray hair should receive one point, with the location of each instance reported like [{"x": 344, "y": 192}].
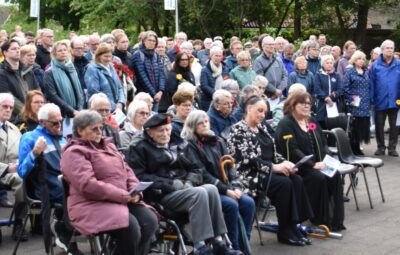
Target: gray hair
[
  {"x": 95, "y": 98},
  {"x": 162, "y": 41},
  {"x": 243, "y": 55},
  {"x": 134, "y": 106},
  {"x": 247, "y": 92},
  {"x": 326, "y": 58},
  {"x": 288, "y": 46},
  {"x": 260, "y": 80},
  {"x": 180, "y": 33},
  {"x": 191, "y": 122},
  {"x": 215, "y": 49},
  {"x": 312, "y": 44},
  {"x": 358, "y": 54},
  {"x": 143, "y": 96},
  {"x": 218, "y": 94},
  {"x": 46, "y": 109},
  {"x": 104, "y": 38},
  {"x": 267, "y": 39},
  {"x": 6, "y": 96},
  {"x": 297, "y": 87},
  {"x": 84, "y": 119},
  {"x": 229, "y": 84},
  {"x": 186, "y": 45},
  {"x": 386, "y": 43},
  {"x": 217, "y": 44},
  {"x": 187, "y": 87}
]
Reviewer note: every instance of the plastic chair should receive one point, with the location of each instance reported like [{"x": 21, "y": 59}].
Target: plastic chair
[{"x": 346, "y": 156}]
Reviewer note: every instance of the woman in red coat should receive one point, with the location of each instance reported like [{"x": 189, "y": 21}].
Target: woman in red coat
[{"x": 100, "y": 181}]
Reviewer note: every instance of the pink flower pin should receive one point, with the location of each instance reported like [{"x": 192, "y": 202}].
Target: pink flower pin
[{"x": 312, "y": 126}]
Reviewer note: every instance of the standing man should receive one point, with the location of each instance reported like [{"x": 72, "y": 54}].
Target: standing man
[
  {"x": 385, "y": 92},
  {"x": 287, "y": 56},
  {"x": 231, "y": 61},
  {"x": 15, "y": 77},
  {"x": 179, "y": 39},
  {"x": 94, "y": 42},
  {"x": 322, "y": 40},
  {"x": 80, "y": 62},
  {"x": 204, "y": 54},
  {"x": 43, "y": 57},
  {"x": 336, "y": 53}
]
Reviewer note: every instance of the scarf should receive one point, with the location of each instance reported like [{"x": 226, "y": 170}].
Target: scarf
[
  {"x": 67, "y": 83},
  {"x": 217, "y": 74},
  {"x": 147, "y": 52}
]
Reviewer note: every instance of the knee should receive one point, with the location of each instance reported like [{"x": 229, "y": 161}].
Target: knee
[{"x": 229, "y": 204}]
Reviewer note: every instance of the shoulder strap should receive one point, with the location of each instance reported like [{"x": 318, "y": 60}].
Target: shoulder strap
[{"x": 270, "y": 64}]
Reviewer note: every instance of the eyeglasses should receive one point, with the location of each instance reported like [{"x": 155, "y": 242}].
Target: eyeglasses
[
  {"x": 186, "y": 105},
  {"x": 305, "y": 104},
  {"x": 184, "y": 59},
  {"x": 226, "y": 104},
  {"x": 143, "y": 114},
  {"x": 103, "y": 110},
  {"x": 54, "y": 123},
  {"x": 5, "y": 107},
  {"x": 98, "y": 129}
]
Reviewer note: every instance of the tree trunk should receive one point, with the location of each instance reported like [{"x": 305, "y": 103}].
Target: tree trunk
[
  {"x": 362, "y": 20},
  {"x": 297, "y": 19},
  {"x": 284, "y": 17},
  {"x": 342, "y": 26}
]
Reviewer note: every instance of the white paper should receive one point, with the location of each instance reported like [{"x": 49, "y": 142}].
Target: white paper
[
  {"x": 119, "y": 116},
  {"x": 273, "y": 103},
  {"x": 332, "y": 111},
  {"x": 356, "y": 101},
  {"x": 303, "y": 160},
  {"x": 398, "y": 118},
  {"x": 331, "y": 165},
  {"x": 140, "y": 187},
  {"x": 67, "y": 126}
]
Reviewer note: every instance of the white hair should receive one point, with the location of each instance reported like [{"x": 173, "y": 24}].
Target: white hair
[
  {"x": 46, "y": 109},
  {"x": 104, "y": 38},
  {"x": 143, "y": 96},
  {"x": 162, "y": 41},
  {"x": 186, "y": 87},
  {"x": 326, "y": 58},
  {"x": 217, "y": 44},
  {"x": 6, "y": 96},
  {"x": 218, "y": 94},
  {"x": 297, "y": 87},
  {"x": 229, "y": 84},
  {"x": 133, "y": 107},
  {"x": 260, "y": 80},
  {"x": 95, "y": 98},
  {"x": 215, "y": 49},
  {"x": 266, "y": 40},
  {"x": 186, "y": 45},
  {"x": 181, "y": 33},
  {"x": 387, "y": 43}
]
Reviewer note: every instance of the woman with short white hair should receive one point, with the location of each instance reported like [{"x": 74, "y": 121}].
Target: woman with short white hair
[{"x": 243, "y": 73}]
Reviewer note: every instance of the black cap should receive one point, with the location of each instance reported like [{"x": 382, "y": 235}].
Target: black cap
[{"x": 157, "y": 120}]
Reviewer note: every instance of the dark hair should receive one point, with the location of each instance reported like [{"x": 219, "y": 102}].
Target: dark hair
[
  {"x": 294, "y": 99},
  {"x": 29, "y": 33},
  {"x": 181, "y": 70},
  {"x": 6, "y": 45},
  {"x": 252, "y": 101},
  {"x": 181, "y": 96}
]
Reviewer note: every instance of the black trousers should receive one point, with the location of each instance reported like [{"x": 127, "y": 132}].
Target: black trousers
[
  {"x": 380, "y": 119},
  {"x": 136, "y": 238}
]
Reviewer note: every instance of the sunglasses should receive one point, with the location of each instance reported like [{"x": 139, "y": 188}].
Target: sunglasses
[{"x": 54, "y": 123}]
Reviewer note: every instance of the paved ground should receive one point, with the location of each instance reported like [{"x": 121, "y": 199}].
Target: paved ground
[{"x": 369, "y": 231}]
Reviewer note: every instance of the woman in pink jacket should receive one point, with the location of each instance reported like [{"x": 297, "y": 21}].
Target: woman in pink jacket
[{"x": 100, "y": 181}]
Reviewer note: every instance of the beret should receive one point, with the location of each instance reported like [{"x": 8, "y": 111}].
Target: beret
[{"x": 157, "y": 120}]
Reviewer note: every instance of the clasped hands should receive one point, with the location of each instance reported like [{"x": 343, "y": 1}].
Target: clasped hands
[{"x": 286, "y": 168}]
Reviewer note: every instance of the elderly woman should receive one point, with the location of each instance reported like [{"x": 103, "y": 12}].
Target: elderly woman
[
  {"x": 28, "y": 119},
  {"x": 28, "y": 56},
  {"x": 61, "y": 82},
  {"x": 101, "y": 76},
  {"x": 327, "y": 88},
  {"x": 142, "y": 96},
  {"x": 356, "y": 87},
  {"x": 233, "y": 87},
  {"x": 195, "y": 66},
  {"x": 206, "y": 149},
  {"x": 183, "y": 102},
  {"x": 138, "y": 113},
  {"x": 302, "y": 75},
  {"x": 258, "y": 163},
  {"x": 298, "y": 135},
  {"x": 220, "y": 112},
  {"x": 148, "y": 68},
  {"x": 243, "y": 73},
  {"x": 101, "y": 189},
  {"x": 181, "y": 72},
  {"x": 212, "y": 76}
]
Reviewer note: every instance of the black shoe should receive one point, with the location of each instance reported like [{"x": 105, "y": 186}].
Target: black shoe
[
  {"x": 338, "y": 228},
  {"x": 380, "y": 152},
  {"x": 19, "y": 232},
  {"x": 220, "y": 248},
  {"x": 346, "y": 199},
  {"x": 203, "y": 250},
  {"x": 73, "y": 249},
  {"x": 393, "y": 153},
  {"x": 6, "y": 203},
  {"x": 289, "y": 241}
]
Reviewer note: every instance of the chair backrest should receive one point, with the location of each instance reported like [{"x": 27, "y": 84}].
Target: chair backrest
[{"x": 343, "y": 145}]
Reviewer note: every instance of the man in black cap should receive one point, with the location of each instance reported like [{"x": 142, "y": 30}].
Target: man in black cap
[{"x": 181, "y": 187}]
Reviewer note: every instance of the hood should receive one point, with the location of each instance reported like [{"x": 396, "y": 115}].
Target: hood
[{"x": 78, "y": 141}]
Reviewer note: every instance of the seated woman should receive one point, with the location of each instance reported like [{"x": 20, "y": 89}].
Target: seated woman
[
  {"x": 299, "y": 135},
  {"x": 206, "y": 149},
  {"x": 183, "y": 102},
  {"x": 100, "y": 183},
  {"x": 28, "y": 119},
  {"x": 257, "y": 160}
]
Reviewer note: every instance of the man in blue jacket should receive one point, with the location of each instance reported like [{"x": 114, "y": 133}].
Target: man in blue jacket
[{"x": 385, "y": 93}]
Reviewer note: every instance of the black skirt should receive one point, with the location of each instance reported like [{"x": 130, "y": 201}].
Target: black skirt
[{"x": 360, "y": 131}]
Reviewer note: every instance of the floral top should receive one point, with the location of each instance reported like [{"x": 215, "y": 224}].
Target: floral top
[
  {"x": 245, "y": 147},
  {"x": 357, "y": 85}
]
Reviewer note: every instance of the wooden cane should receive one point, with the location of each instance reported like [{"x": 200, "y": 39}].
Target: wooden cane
[{"x": 226, "y": 159}]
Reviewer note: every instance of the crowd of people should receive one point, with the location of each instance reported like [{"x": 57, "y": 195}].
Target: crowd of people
[{"x": 188, "y": 104}]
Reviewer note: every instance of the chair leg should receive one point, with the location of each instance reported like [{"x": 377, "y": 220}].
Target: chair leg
[
  {"x": 380, "y": 186},
  {"x": 354, "y": 191},
  {"x": 19, "y": 237},
  {"x": 366, "y": 185},
  {"x": 257, "y": 223},
  {"x": 266, "y": 211}
]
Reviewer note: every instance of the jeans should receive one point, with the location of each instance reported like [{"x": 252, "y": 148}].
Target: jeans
[{"x": 231, "y": 208}]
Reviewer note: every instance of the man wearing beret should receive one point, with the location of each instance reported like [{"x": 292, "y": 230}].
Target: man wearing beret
[{"x": 152, "y": 159}]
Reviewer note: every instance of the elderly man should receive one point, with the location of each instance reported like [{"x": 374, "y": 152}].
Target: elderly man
[
  {"x": 43, "y": 57},
  {"x": 272, "y": 68},
  {"x": 94, "y": 42},
  {"x": 15, "y": 77},
  {"x": 336, "y": 53},
  {"x": 280, "y": 44},
  {"x": 179, "y": 39},
  {"x": 287, "y": 56},
  {"x": 43, "y": 146},
  {"x": 80, "y": 61},
  {"x": 204, "y": 54},
  {"x": 385, "y": 95},
  {"x": 161, "y": 50},
  {"x": 220, "y": 113},
  {"x": 9, "y": 143},
  {"x": 322, "y": 40},
  {"x": 231, "y": 61},
  {"x": 180, "y": 184},
  {"x": 100, "y": 103}
]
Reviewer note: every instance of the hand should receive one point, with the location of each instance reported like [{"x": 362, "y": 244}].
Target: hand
[
  {"x": 134, "y": 199},
  {"x": 75, "y": 113},
  {"x": 40, "y": 146},
  {"x": 329, "y": 101},
  {"x": 285, "y": 168},
  {"x": 12, "y": 168},
  {"x": 278, "y": 92},
  {"x": 238, "y": 192},
  {"x": 120, "y": 106},
  {"x": 157, "y": 97},
  {"x": 319, "y": 165},
  {"x": 232, "y": 194}
]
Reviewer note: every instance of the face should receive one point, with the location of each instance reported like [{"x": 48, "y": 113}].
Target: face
[
  {"x": 336, "y": 52},
  {"x": 170, "y": 44},
  {"x": 94, "y": 43},
  {"x": 217, "y": 58},
  {"x": 53, "y": 123},
  {"x": 103, "y": 107},
  {"x": 184, "y": 61},
  {"x": 313, "y": 52},
  {"x": 79, "y": 49},
  {"x": 47, "y": 39},
  {"x": 150, "y": 43},
  {"x": 236, "y": 49},
  {"x": 14, "y": 52},
  {"x": 183, "y": 110},
  {"x": 351, "y": 49},
  {"x": 256, "y": 113},
  {"x": 180, "y": 39},
  {"x": 197, "y": 47},
  {"x": 388, "y": 51},
  {"x": 245, "y": 62},
  {"x": 207, "y": 44},
  {"x": 302, "y": 65},
  {"x": 359, "y": 62},
  {"x": 224, "y": 106},
  {"x": 268, "y": 47},
  {"x": 203, "y": 128},
  {"x": 160, "y": 49},
  {"x": 111, "y": 42},
  {"x": 288, "y": 53},
  {"x": 106, "y": 58},
  {"x": 279, "y": 45},
  {"x": 328, "y": 65},
  {"x": 324, "y": 52},
  {"x": 62, "y": 53},
  {"x": 322, "y": 40},
  {"x": 303, "y": 109},
  {"x": 6, "y": 109},
  {"x": 161, "y": 135},
  {"x": 37, "y": 102},
  {"x": 123, "y": 43},
  {"x": 141, "y": 116},
  {"x": 92, "y": 132},
  {"x": 235, "y": 92},
  {"x": 29, "y": 58}
]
